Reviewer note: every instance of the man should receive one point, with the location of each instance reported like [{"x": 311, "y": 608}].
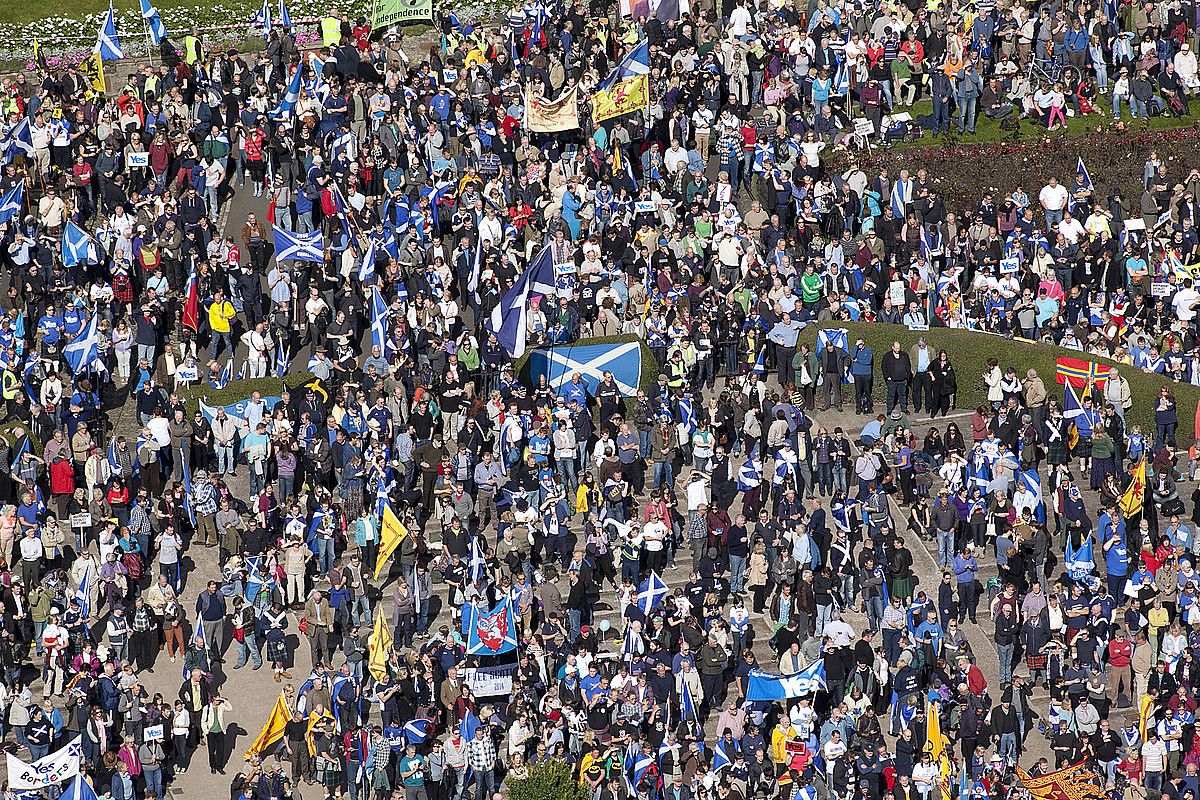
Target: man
[
  {"x": 862, "y": 366},
  {"x": 210, "y": 608},
  {"x": 481, "y": 755},
  {"x": 412, "y": 769},
  {"x": 897, "y": 373},
  {"x": 832, "y": 363}
]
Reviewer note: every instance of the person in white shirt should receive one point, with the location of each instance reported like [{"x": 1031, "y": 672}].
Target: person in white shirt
[
  {"x": 1186, "y": 68},
  {"x": 740, "y": 20},
  {"x": 1053, "y": 199}
]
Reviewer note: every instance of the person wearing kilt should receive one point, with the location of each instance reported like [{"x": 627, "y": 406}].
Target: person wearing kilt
[{"x": 274, "y": 623}]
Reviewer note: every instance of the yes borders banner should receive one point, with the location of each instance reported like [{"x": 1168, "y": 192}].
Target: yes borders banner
[{"x": 393, "y": 12}]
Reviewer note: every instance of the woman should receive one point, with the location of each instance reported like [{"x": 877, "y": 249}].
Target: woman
[
  {"x": 955, "y": 442},
  {"x": 1165, "y": 419},
  {"x": 993, "y": 378},
  {"x": 756, "y": 576},
  {"x": 945, "y": 384}
]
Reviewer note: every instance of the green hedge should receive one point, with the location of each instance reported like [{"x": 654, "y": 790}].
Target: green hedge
[
  {"x": 548, "y": 780},
  {"x": 237, "y": 391},
  {"x": 970, "y": 350},
  {"x": 7, "y": 431},
  {"x": 650, "y": 367}
]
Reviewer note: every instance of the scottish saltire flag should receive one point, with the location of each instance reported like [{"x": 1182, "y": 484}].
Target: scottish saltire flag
[
  {"x": 282, "y": 359},
  {"x": 652, "y": 592},
  {"x": 687, "y": 415},
  {"x": 107, "y": 44},
  {"x": 632, "y": 646},
  {"x": 509, "y": 317},
  {"x": 285, "y": 19},
  {"x": 490, "y": 633},
  {"x": 477, "y": 564},
  {"x": 223, "y": 377},
  {"x": 1131, "y": 736},
  {"x": 84, "y": 593},
  {"x": 417, "y": 731},
  {"x": 18, "y": 451},
  {"x": 558, "y": 364},
  {"x": 291, "y": 246},
  {"x": 786, "y": 464},
  {"x": 82, "y": 352},
  {"x": 158, "y": 31},
  {"x": 688, "y": 704},
  {"x": 287, "y": 103},
  {"x": 256, "y": 579},
  {"x": 262, "y": 18},
  {"x": 637, "y": 62},
  {"x": 12, "y": 203},
  {"x": 187, "y": 492},
  {"x": 902, "y": 195},
  {"x": 1080, "y": 172},
  {"x": 760, "y": 363},
  {"x": 843, "y": 513},
  {"x": 379, "y": 324},
  {"x": 838, "y": 336},
  {"x": 1033, "y": 483},
  {"x": 720, "y": 759},
  {"x": 366, "y": 270},
  {"x": 114, "y": 462},
  {"x": 436, "y": 195},
  {"x": 1072, "y": 405},
  {"x": 841, "y": 80},
  {"x": 763, "y": 152},
  {"x": 75, "y": 244},
  {"x": 749, "y": 476},
  {"x": 470, "y": 723},
  {"x": 1080, "y": 562},
  {"x": 765, "y": 686},
  {"x": 19, "y": 139}
]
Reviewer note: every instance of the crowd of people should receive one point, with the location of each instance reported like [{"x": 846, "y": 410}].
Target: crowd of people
[{"x": 656, "y": 551}]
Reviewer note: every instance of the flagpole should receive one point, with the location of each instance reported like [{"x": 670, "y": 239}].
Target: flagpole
[{"x": 151, "y": 45}]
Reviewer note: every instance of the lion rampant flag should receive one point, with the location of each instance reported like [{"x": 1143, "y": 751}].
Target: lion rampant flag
[
  {"x": 1076, "y": 782},
  {"x": 1135, "y": 495},
  {"x": 938, "y": 748},
  {"x": 272, "y": 731},
  {"x": 624, "y": 97}
]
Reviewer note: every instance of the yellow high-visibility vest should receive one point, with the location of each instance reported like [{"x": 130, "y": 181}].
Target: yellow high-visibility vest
[{"x": 331, "y": 31}]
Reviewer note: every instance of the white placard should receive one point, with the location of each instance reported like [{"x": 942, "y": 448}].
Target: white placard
[{"x": 138, "y": 160}]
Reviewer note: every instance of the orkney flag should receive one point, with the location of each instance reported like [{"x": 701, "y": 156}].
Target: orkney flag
[{"x": 490, "y": 633}]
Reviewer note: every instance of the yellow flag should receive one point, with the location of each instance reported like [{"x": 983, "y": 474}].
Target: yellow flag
[
  {"x": 379, "y": 646},
  {"x": 935, "y": 745},
  {"x": 272, "y": 731},
  {"x": 391, "y": 534},
  {"x": 623, "y": 97},
  {"x": 313, "y": 719},
  {"x": 1135, "y": 495},
  {"x": 92, "y": 68}
]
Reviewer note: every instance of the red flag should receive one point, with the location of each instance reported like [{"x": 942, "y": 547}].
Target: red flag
[
  {"x": 191, "y": 304},
  {"x": 1080, "y": 372}
]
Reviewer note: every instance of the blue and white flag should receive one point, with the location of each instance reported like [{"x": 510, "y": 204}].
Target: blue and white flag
[
  {"x": 558, "y": 364},
  {"x": 366, "y": 269},
  {"x": 765, "y": 686},
  {"x": 760, "y": 363},
  {"x": 18, "y": 140},
  {"x": 490, "y": 633},
  {"x": 79, "y": 789},
  {"x": 223, "y": 377},
  {"x": 291, "y": 246},
  {"x": 158, "y": 31},
  {"x": 838, "y": 336},
  {"x": 107, "y": 44},
  {"x": 637, "y": 62},
  {"x": 687, "y": 704},
  {"x": 477, "y": 564},
  {"x": 282, "y": 359},
  {"x": 262, "y": 19},
  {"x": 187, "y": 493},
  {"x": 749, "y": 476},
  {"x": 1080, "y": 172},
  {"x": 12, "y": 203},
  {"x": 763, "y": 152},
  {"x": 720, "y": 759},
  {"x": 687, "y": 415},
  {"x": 76, "y": 244},
  {"x": 285, "y": 19},
  {"x": 786, "y": 465},
  {"x": 652, "y": 592},
  {"x": 417, "y": 731},
  {"x": 82, "y": 352},
  {"x": 287, "y": 103},
  {"x": 509, "y": 317},
  {"x": 379, "y": 324},
  {"x": 84, "y": 593},
  {"x": 1080, "y": 562},
  {"x": 1131, "y": 737}
]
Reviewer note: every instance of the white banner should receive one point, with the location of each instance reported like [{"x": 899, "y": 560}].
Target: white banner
[
  {"x": 489, "y": 681},
  {"x": 59, "y": 766}
]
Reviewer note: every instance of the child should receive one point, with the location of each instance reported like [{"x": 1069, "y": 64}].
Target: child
[{"x": 1136, "y": 449}]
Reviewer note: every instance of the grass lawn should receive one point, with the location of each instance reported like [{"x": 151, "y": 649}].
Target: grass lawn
[
  {"x": 970, "y": 350},
  {"x": 987, "y": 130}
]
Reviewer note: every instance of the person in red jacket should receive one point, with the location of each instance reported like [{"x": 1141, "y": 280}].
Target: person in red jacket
[{"x": 1120, "y": 654}]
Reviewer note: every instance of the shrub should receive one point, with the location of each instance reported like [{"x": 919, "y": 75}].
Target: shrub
[
  {"x": 548, "y": 780},
  {"x": 237, "y": 391},
  {"x": 970, "y": 350}
]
